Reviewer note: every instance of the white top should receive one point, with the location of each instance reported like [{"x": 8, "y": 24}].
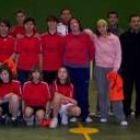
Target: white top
[{"x": 62, "y": 29}]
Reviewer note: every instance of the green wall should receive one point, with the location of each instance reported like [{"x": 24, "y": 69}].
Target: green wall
[{"x": 87, "y": 10}]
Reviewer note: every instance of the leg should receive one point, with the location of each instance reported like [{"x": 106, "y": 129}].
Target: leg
[
  {"x": 29, "y": 116},
  {"x": 74, "y": 110},
  {"x": 14, "y": 104},
  {"x": 128, "y": 80},
  {"x": 118, "y": 111},
  {"x": 80, "y": 79},
  {"x": 137, "y": 85},
  {"x": 40, "y": 114},
  {"x": 102, "y": 86}
]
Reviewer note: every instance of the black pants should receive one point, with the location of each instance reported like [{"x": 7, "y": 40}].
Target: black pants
[
  {"x": 49, "y": 76},
  {"x": 131, "y": 80}
]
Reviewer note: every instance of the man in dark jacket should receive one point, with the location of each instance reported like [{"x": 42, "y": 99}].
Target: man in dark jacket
[{"x": 130, "y": 68}]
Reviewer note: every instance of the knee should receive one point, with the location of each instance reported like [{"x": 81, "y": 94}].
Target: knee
[
  {"x": 28, "y": 112},
  {"x": 40, "y": 114},
  {"x": 75, "y": 111},
  {"x": 14, "y": 98}
]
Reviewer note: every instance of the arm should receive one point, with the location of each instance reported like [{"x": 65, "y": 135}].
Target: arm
[{"x": 118, "y": 58}]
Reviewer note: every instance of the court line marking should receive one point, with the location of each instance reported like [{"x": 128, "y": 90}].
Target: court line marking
[{"x": 86, "y": 136}]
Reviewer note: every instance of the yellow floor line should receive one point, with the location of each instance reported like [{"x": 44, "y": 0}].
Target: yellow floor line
[{"x": 86, "y": 136}]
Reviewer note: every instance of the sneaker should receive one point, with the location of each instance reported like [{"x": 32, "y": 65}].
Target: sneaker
[
  {"x": 124, "y": 123},
  {"x": 64, "y": 119},
  {"x": 2, "y": 120},
  {"x": 30, "y": 121},
  {"x": 15, "y": 122},
  {"x": 103, "y": 120},
  {"x": 88, "y": 119},
  {"x": 54, "y": 123},
  {"x": 73, "y": 119}
]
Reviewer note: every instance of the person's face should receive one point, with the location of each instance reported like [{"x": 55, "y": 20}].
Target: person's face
[
  {"x": 62, "y": 74},
  {"x": 52, "y": 24},
  {"x": 36, "y": 76},
  {"x": 135, "y": 23},
  {"x": 74, "y": 25},
  {"x": 20, "y": 17},
  {"x": 4, "y": 30},
  {"x": 113, "y": 19},
  {"x": 102, "y": 28},
  {"x": 66, "y": 16},
  {"x": 29, "y": 26},
  {"x": 4, "y": 76}
]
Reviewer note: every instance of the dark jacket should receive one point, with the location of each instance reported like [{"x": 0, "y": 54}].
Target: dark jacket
[{"x": 130, "y": 43}]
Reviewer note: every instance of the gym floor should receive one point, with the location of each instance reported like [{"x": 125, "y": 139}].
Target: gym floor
[{"x": 109, "y": 131}]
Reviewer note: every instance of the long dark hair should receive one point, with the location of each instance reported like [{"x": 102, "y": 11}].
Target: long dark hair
[
  {"x": 68, "y": 80},
  {"x": 79, "y": 22},
  {"x": 4, "y": 67}
]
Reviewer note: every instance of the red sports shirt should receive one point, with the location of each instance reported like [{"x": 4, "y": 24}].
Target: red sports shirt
[
  {"x": 28, "y": 49},
  {"x": 36, "y": 94},
  {"x": 17, "y": 30},
  {"x": 12, "y": 87},
  {"x": 66, "y": 90},
  {"x": 78, "y": 50},
  {"x": 52, "y": 49},
  {"x": 7, "y": 47}
]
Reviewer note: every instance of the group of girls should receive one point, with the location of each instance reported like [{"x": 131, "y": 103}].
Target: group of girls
[{"x": 64, "y": 90}]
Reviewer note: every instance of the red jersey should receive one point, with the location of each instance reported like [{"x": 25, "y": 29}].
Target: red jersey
[
  {"x": 19, "y": 30},
  {"x": 28, "y": 49},
  {"x": 79, "y": 50},
  {"x": 11, "y": 87},
  {"x": 52, "y": 51},
  {"x": 36, "y": 94},
  {"x": 7, "y": 47},
  {"x": 66, "y": 90}
]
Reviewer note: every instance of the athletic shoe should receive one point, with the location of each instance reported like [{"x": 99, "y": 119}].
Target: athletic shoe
[
  {"x": 103, "y": 120},
  {"x": 64, "y": 119},
  {"x": 15, "y": 122},
  {"x": 73, "y": 119},
  {"x": 124, "y": 123},
  {"x": 54, "y": 123},
  {"x": 30, "y": 121},
  {"x": 88, "y": 119}
]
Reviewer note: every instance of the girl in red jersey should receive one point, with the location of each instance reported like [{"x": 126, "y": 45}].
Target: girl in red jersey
[
  {"x": 63, "y": 101},
  {"x": 52, "y": 50},
  {"x": 7, "y": 43},
  {"x": 36, "y": 97},
  {"x": 10, "y": 95},
  {"x": 28, "y": 51}
]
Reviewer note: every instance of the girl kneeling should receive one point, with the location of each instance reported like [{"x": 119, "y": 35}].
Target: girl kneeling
[
  {"x": 63, "y": 101},
  {"x": 36, "y": 98}
]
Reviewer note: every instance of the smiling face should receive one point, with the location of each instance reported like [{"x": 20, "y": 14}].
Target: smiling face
[{"x": 74, "y": 25}]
